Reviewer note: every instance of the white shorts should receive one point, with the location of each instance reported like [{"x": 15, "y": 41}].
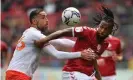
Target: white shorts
[
  {"x": 76, "y": 76},
  {"x": 109, "y": 77}
]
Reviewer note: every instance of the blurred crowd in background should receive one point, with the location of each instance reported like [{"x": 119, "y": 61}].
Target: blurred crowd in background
[{"x": 14, "y": 20}]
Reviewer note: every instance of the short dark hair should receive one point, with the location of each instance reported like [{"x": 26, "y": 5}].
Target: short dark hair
[
  {"x": 34, "y": 13},
  {"x": 107, "y": 16}
]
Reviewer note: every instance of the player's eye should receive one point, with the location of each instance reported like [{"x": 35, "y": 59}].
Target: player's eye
[
  {"x": 42, "y": 17},
  {"x": 102, "y": 26}
]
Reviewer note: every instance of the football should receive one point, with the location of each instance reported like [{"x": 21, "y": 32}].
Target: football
[{"x": 71, "y": 16}]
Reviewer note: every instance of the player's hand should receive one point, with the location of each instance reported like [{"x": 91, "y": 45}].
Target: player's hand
[
  {"x": 114, "y": 56},
  {"x": 117, "y": 57},
  {"x": 101, "y": 62},
  {"x": 87, "y": 55}
]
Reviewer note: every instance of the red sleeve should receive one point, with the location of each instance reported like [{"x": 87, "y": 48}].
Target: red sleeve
[
  {"x": 118, "y": 50},
  {"x": 81, "y": 31}
]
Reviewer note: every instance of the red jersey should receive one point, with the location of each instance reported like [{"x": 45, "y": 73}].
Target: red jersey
[
  {"x": 3, "y": 47},
  {"x": 86, "y": 38},
  {"x": 108, "y": 68},
  {"x": 3, "y": 50}
]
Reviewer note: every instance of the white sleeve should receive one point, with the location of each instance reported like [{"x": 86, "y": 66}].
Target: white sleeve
[
  {"x": 60, "y": 54},
  {"x": 63, "y": 44}
]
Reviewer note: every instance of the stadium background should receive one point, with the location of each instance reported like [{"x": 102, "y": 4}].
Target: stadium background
[{"x": 14, "y": 20}]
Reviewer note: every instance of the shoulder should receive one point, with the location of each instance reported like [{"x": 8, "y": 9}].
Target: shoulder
[
  {"x": 114, "y": 39},
  {"x": 33, "y": 32},
  {"x": 84, "y": 28},
  {"x": 89, "y": 28}
]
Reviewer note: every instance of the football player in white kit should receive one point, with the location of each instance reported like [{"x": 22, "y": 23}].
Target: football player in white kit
[{"x": 27, "y": 52}]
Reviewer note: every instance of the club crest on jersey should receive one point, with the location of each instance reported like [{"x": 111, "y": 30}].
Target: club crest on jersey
[
  {"x": 98, "y": 47},
  {"x": 78, "y": 29}
]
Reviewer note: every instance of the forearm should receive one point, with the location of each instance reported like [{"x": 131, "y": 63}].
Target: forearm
[{"x": 60, "y": 54}]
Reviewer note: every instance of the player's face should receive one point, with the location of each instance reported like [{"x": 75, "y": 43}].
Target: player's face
[
  {"x": 42, "y": 21},
  {"x": 104, "y": 29}
]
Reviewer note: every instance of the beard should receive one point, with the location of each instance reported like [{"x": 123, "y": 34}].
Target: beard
[
  {"x": 100, "y": 39},
  {"x": 43, "y": 29}
]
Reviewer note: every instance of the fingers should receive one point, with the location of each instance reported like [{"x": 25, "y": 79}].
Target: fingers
[
  {"x": 88, "y": 54},
  {"x": 90, "y": 50}
]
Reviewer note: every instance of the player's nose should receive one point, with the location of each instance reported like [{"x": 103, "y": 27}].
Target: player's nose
[{"x": 47, "y": 21}]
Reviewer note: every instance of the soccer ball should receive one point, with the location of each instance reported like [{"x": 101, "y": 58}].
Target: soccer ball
[{"x": 71, "y": 16}]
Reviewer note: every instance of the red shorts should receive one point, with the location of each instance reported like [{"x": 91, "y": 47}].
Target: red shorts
[{"x": 15, "y": 75}]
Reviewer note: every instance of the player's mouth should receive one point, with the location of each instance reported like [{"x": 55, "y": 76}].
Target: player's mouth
[
  {"x": 47, "y": 24},
  {"x": 102, "y": 34}
]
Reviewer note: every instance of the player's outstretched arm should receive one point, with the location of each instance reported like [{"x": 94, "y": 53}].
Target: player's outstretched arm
[
  {"x": 85, "y": 54},
  {"x": 118, "y": 54},
  {"x": 62, "y": 44},
  {"x": 57, "y": 34}
]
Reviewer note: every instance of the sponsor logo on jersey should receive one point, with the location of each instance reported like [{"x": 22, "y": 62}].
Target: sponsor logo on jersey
[{"x": 78, "y": 29}]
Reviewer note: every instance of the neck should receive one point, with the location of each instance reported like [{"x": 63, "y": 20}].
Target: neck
[
  {"x": 32, "y": 25},
  {"x": 35, "y": 26}
]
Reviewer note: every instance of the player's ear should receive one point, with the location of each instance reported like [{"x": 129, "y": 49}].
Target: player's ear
[{"x": 34, "y": 21}]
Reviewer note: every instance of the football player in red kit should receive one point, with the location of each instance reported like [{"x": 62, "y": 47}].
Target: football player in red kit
[
  {"x": 107, "y": 60},
  {"x": 5, "y": 55},
  {"x": 93, "y": 39}
]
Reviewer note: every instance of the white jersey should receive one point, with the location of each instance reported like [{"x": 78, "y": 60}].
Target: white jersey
[{"x": 26, "y": 56}]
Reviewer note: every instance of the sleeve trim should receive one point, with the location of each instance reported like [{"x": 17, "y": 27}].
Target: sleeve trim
[{"x": 73, "y": 32}]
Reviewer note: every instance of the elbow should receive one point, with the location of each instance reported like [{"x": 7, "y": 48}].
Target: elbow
[{"x": 38, "y": 44}]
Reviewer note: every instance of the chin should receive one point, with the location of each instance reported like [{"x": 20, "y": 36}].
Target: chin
[
  {"x": 45, "y": 30},
  {"x": 104, "y": 36}
]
